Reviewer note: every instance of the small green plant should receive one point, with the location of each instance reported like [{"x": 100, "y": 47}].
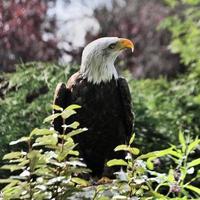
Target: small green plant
[
  {"x": 48, "y": 167},
  {"x": 141, "y": 180}
]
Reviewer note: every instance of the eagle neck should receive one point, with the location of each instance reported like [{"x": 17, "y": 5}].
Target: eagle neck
[{"x": 99, "y": 73}]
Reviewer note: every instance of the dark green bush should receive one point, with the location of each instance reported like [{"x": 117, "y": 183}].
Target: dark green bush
[
  {"x": 26, "y": 98},
  {"x": 47, "y": 169},
  {"x": 161, "y": 107},
  {"x": 185, "y": 31}
]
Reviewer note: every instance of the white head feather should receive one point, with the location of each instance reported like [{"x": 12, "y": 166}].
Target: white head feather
[{"x": 98, "y": 60}]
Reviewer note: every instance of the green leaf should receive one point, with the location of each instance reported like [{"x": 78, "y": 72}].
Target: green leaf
[
  {"x": 170, "y": 176},
  {"x": 73, "y": 107},
  {"x": 193, "y": 188},
  {"x": 67, "y": 113},
  {"x": 115, "y": 162},
  {"x": 74, "y": 153},
  {"x": 193, "y": 145},
  {"x": 46, "y": 140},
  {"x": 176, "y": 154},
  {"x": 35, "y": 158},
  {"x": 12, "y": 155},
  {"x": 44, "y": 131},
  {"x": 80, "y": 181},
  {"x": 75, "y": 132},
  {"x": 12, "y": 168},
  {"x": 74, "y": 125},
  {"x": 56, "y": 107},
  {"x": 123, "y": 147},
  {"x": 132, "y": 139},
  {"x": 150, "y": 165},
  {"x": 194, "y": 163},
  {"x": 51, "y": 117},
  {"x": 156, "y": 154},
  {"x": 134, "y": 151},
  {"x": 182, "y": 141},
  {"x": 12, "y": 190},
  {"x": 8, "y": 180},
  {"x": 23, "y": 162},
  {"x": 22, "y": 139}
]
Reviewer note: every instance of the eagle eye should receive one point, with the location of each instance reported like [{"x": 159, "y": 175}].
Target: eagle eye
[{"x": 112, "y": 46}]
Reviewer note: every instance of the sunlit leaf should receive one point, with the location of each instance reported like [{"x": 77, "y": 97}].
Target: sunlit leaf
[
  {"x": 176, "y": 154},
  {"x": 74, "y": 125},
  {"x": 150, "y": 165},
  {"x": 8, "y": 180},
  {"x": 73, "y": 107},
  {"x": 46, "y": 140},
  {"x": 22, "y": 139},
  {"x": 67, "y": 113},
  {"x": 182, "y": 141},
  {"x": 51, "y": 117},
  {"x": 12, "y": 191},
  {"x": 170, "y": 176},
  {"x": 134, "y": 151},
  {"x": 121, "y": 147},
  {"x": 35, "y": 157},
  {"x": 80, "y": 181},
  {"x": 156, "y": 154},
  {"x": 193, "y": 145},
  {"x": 12, "y": 155},
  {"x": 74, "y": 153},
  {"x": 132, "y": 139},
  {"x": 75, "y": 132},
  {"x": 193, "y": 188},
  {"x": 23, "y": 162},
  {"x": 194, "y": 162},
  {"x": 56, "y": 107},
  {"x": 115, "y": 162},
  {"x": 44, "y": 131},
  {"x": 12, "y": 168}
]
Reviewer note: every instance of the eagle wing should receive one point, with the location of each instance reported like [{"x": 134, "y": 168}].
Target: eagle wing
[
  {"x": 63, "y": 98},
  {"x": 127, "y": 106}
]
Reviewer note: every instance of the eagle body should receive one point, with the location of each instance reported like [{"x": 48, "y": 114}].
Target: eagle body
[{"x": 105, "y": 111}]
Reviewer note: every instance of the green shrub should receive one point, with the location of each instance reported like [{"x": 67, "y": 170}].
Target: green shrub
[
  {"x": 164, "y": 107},
  {"x": 185, "y": 31},
  {"x": 28, "y": 94},
  {"x": 141, "y": 178},
  {"x": 47, "y": 169}
]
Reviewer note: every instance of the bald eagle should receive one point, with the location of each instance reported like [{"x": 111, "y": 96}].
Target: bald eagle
[{"x": 105, "y": 102}]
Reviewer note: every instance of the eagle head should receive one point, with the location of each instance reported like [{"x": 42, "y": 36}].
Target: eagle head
[{"x": 98, "y": 58}]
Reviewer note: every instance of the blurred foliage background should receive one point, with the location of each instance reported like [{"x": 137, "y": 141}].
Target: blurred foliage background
[{"x": 163, "y": 73}]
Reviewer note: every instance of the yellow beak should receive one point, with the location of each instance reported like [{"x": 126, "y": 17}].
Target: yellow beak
[{"x": 126, "y": 43}]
